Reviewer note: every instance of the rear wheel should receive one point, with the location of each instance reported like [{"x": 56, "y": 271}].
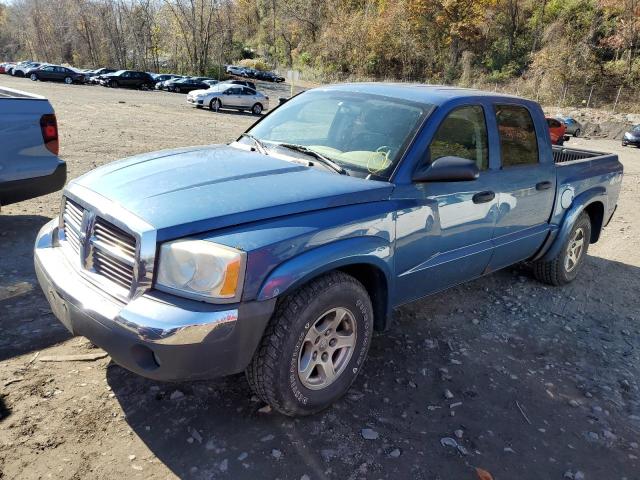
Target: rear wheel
[
  {"x": 256, "y": 109},
  {"x": 576, "y": 133},
  {"x": 314, "y": 346},
  {"x": 34, "y": 77},
  {"x": 565, "y": 266}
]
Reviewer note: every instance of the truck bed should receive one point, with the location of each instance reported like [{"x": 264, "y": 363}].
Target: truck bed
[{"x": 10, "y": 93}]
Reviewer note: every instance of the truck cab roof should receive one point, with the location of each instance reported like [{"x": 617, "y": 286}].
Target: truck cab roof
[{"x": 420, "y": 93}]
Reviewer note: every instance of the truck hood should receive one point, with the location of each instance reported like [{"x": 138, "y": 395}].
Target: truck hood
[{"x": 193, "y": 190}]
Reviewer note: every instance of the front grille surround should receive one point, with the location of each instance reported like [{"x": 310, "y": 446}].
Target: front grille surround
[{"x": 98, "y": 240}]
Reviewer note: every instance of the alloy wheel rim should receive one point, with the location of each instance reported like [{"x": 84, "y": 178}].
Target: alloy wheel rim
[
  {"x": 327, "y": 348},
  {"x": 575, "y": 249}
]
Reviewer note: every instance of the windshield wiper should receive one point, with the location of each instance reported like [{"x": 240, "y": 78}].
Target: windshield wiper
[
  {"x": 258, "y": 143},
  {"x": 318, "y": 156}
]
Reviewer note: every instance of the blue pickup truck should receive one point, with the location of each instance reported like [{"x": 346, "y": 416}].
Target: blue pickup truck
[
  {"x": 29, "y": 163},
  {"x": 280, "y": 253}
]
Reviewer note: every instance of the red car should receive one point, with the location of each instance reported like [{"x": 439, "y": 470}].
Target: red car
[{"x": 557, "y": 130}]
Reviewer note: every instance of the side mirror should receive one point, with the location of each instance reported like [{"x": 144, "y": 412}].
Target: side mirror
[{"x": 448, "y": 169}]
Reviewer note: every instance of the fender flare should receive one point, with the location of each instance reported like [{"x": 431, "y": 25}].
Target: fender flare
[
  {"x": 579, "y": 204},
  {"x": 296, "y": 271}
]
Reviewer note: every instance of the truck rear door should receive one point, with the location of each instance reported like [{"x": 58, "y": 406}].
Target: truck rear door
[{"x": 526, "y": 186}]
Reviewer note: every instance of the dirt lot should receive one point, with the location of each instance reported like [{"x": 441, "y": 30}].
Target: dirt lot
[{"x": 529, "y": 382}]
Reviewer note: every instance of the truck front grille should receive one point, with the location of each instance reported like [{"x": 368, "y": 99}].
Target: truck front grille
[{"x": 105, "y": 251}]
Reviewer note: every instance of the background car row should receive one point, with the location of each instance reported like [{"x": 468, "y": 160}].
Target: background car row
[
  {"x": 207, "y": 92},
  {"x": 254, "y": 73}
]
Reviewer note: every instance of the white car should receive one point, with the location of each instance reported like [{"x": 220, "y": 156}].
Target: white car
[
  {"x": 234, "y": 70},
  {"x": 228, "y": 95}
]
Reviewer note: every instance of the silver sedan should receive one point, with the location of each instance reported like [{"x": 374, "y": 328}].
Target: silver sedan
[{"x": 231, "y": 96}]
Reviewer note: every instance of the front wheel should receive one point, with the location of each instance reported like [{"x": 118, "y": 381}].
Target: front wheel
[
  {"x": 576, "y": 133},
  {"x": 34, "y": 77},
  {"x": 68, "y": 80},
  {"x": 565, "y": 266},
  {"x": 215, "y": 105},
  {"x": 314, "y": 346}
]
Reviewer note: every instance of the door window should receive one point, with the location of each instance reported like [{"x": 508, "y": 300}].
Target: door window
[
  {"x": 248, "y": 91},
  {"x": 462, "y": 134},
  {"x": 518, "y": 140}
]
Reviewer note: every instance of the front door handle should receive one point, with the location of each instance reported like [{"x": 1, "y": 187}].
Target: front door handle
[
  {"x": 483, "y": 197},
  {"x": 544, "y": 185}
]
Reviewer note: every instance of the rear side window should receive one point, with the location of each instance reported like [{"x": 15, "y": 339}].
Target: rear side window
[
  {"x": 462, "y": 134},
  {"x": 518, "y": 141},
  {"x": 553, "y": 123}
]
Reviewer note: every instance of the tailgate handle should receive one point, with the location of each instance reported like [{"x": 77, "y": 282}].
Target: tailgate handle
[
  {"x": 483, "y": 197},
  {"x": 544, "y": 185}
]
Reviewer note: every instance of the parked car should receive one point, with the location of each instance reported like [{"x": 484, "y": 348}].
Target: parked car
[
  {"x": 127, "y": 78},
  {"x": 164, "y": 77},
  {"x": 29, "y": 163},
  {"x": 573, "y": 126},
  {"x": 95, "y": 76},
  {"x": 281, "y": 253},
  {"x": 246, "y": 83},
  {"x": 632, "y": 137},
  {"x": 235, "y": 70},
  {"x": 5, "y": 66},
  {"x": 57, "y": 73},
  {"x": 186, "y": 85},
  {"x": 168, "y": 84},
  {"x": 268, "y": 76},
  {"x": 211, "y": 82},
  {"x": 557, "y": 131},
  {"x": 21, "y": 69},
  {"x": 231, "y": 96}
]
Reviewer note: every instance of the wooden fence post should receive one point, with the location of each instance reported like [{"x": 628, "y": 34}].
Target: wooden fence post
[
  {"x": 617, "y": 98},
  {"x": 590, "y": 93}
]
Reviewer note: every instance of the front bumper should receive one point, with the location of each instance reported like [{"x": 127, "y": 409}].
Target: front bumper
[
  {"x": 631, "y": 141},
  {"x": 155, "y": 335}
]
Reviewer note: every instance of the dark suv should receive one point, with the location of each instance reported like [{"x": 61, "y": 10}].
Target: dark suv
[{"x": 128, "y": 78}]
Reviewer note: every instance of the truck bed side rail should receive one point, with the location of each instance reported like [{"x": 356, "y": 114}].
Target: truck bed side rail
[{"x": 564, "y": 155}]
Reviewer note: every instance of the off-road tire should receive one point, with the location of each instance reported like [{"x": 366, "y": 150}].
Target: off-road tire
[
  {"x": 554, "y": 272},
  {"x": 272, "y": 373}
]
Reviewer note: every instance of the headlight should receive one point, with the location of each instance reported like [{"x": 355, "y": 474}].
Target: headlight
[
  {"x": 201, "y": 270},
  {"x": 628, "y": 136}
]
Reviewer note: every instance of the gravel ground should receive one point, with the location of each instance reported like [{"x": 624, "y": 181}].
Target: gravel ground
[{"x": 503, "y": 373}]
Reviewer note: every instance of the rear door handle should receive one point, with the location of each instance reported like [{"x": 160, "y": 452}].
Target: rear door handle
[
  {"x": 544, "y": 185},
  {"x": 483, "y": 197}
]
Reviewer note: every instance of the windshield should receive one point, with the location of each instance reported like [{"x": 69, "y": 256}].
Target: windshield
[
  {"x": 636, "y": 129},
  {"x": 365, "y": 134}
]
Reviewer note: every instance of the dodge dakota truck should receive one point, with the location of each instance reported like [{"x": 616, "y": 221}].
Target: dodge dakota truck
[
  {"x": 280, "y": 253},
  {"x": 29, "y": 163}
]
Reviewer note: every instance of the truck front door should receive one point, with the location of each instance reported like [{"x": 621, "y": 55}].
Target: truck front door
[
  {"x": 526, "y": 188},
  {"x": 445, "y": 238}
]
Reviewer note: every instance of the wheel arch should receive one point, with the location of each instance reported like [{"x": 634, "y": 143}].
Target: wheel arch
[
  {"x": 364, "y": 258},
  {"x": 594, "y": 203}
]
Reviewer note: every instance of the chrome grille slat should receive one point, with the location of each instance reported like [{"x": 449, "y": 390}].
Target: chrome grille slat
[{"x": 114, "y": 238}]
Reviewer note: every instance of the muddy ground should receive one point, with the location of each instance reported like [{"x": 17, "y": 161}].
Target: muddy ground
[{"x": 528, "y": 381}]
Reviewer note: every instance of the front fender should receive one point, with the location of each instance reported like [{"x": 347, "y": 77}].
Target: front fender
[
  {"x": 296, "y": 271},
  {"x": 582, "y": 201}
]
